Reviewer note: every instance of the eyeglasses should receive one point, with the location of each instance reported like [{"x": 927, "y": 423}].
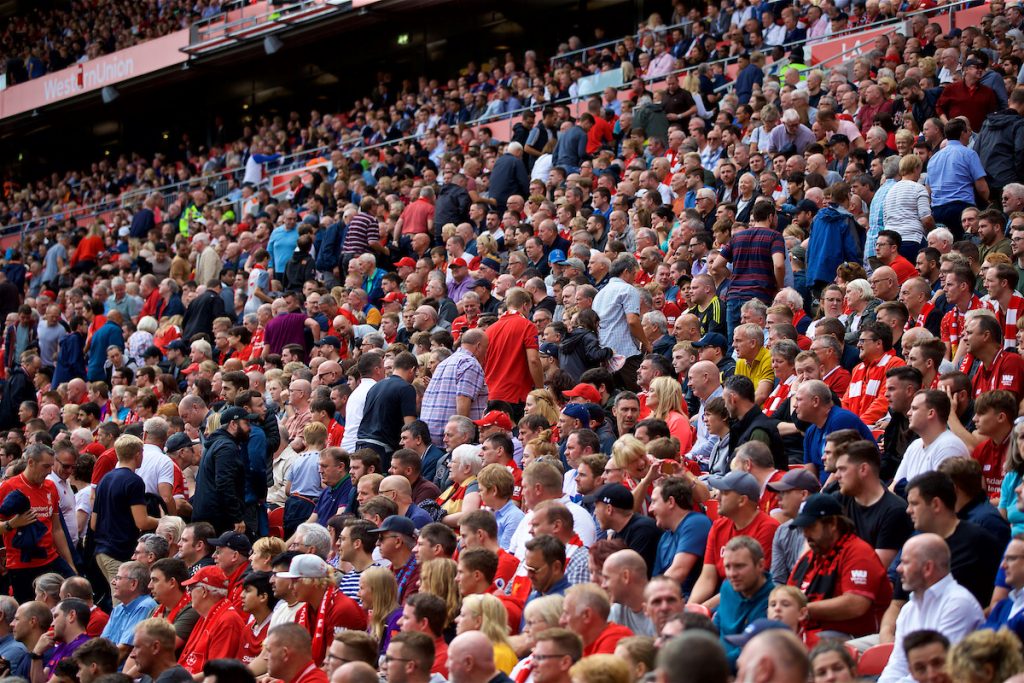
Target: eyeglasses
[
  {"x": 388, "y": 659},
  {"x": 865, "y": 340}
]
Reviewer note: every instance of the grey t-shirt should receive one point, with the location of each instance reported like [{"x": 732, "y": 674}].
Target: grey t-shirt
[{"x": 637, "y": 622}]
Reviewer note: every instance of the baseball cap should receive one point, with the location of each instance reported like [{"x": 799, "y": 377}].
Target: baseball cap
[
  {"x": 585, "y": 391},
  {"x": 577, "y": 411},
  {"x": 490, "y": 263},
  {"x": 305, "y": 567},
  {"x": 229, "y": 539},
  {"x": 793, "y": 480},
  {"x": 754, "y": 628},
  {"x": 816, "y": 507},
  {"x": 838, "y": 138},
  {"x": 495, "y": 418},
  {"x": 236, "y": 413},
  {"x": 742, "y": 483},
  {"x": 616, "y": 495},
  {"x": 194, "y": 367},
  {"x": 405, "y": 262},
  {"x": 482, "y": 282},
  {"x": 711, "y": 339},
  {"x": 807, "y": 205},
  {"x": 974, "y": 62},
  {"x": 556, "y": 256},
  {"x": 178, "y": 441},
  {"x": 398, "y": 524},
  {"x": 574, "y": 263},
  {"x": 177, "y": 345},
  {"x": 392, "y": 297},
  {"x": 954, "y": 33},
  {"x": 549, "y": 349},
  {"x": 596, "y": 412},
  {"x": 329, "y": 340},
  {"x": 798, "y": 252},
  {"x": 459, "y": 263},
  {"x": 212, "y": 576}
]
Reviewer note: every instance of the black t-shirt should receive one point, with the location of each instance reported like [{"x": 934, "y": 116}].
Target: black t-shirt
[
  {"x": 975, "y": 555},
  {"x": 642, "y": 534},
  {"x": 176, "y": 674},
  {"x": 116, "y": 533},
  {"x": 884, "y": 525},
  {"x": 387, "y": 405}
]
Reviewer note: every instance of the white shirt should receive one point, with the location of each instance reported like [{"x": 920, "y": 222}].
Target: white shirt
[
  {"x": 354, "y": 413},
  {"x": 946, "y": 607},
  {"x": 156, "y": 469},
  {"x": 582, "y": 522},
  {"x": 919, "y": 458},
  {"x": 67, "y": 506}
]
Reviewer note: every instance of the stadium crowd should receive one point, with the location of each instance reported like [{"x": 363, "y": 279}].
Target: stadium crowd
[{"x": 682, "y": 384}]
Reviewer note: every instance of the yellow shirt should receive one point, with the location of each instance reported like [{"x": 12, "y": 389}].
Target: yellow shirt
[
  {"x": 504, "y": 658},
  {"x": 758, "y": 371}
]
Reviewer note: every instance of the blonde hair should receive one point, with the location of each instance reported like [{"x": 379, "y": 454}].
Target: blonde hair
[
  {"x": 670, "y": 397},
  {"x": 627, "y": 449},
  {"x": 314, "y": 434},
  {"x": 547, "y": 609},
  {"x": 600, "y": 668},
  {"x": 437, "y": 577},
  {"x": 545, "y": 403},
  {"x": 999, "y": 650},
  {"x": 492, "y": 614},
  {"x": 793, "y": 592},
  {"x": 383, "y": 598},
  {"x": 268, "y": 547}
]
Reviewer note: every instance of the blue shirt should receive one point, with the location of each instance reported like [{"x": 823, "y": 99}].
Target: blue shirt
[
  {"x": 334, "y": 501},
  {"x": 120, "y": 630},
  {"x": 508, "y": 518},
  {"x": 108, "y": 335},
  {"x": 952, "y": 172},
  {"x": 305, "y": 475},
  {"x": 16, "y": 654},
  {"x": 691, "y": 536},
  {"x": 418, "y": 516},
  {"x": 281, "y": 247},
  {"x": 814, "y": 441},
  {"x": 735, "y": 613}
]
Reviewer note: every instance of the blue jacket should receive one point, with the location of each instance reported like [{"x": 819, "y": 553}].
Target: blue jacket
[
  {"x": 735, "y": 613},
  {"x": 833, "y": 241},
  {"x": 256, "y": 465},
  {"x": 70, "y": 359},
  {"x": 1000, "y": 616},
  {"x": 109, "y": 334}
]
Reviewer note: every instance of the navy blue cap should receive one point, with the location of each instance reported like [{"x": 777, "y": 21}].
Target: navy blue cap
[
  {"x": 549, "y": 349},
  {"x": 711, "y": 339},
  {"x": 754, "y": 628}
]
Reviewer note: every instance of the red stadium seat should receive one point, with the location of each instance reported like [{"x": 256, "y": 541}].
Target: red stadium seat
[
  {"x": 874, "y": 659},
  {"x": 276, "y": 520}
]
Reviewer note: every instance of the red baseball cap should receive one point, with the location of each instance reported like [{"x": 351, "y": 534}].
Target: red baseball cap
[
  {"x": 392, "y": 297},
  {"x": 190, "y": 369},
  {"x": 212, "y": 576},
  {"x": 406, "y": 262},
  {"x": 586, "y": 391},
  {"x": 495, "y": 418},
  {"x": 459, "y": 263}
]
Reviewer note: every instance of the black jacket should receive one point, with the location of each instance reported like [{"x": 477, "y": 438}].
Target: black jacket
[
  {"x": 452, "y": 206},
  {"x": 508, "y": 177},
  {"x": 201, "y": 313},
  {"x": 220, "y": 483},
  {"x": 1000, "y": 145},
  {"x": 580, "y": 351},
  {"x": 742, "y": 429},
  {"x": 16, "y": 390}
]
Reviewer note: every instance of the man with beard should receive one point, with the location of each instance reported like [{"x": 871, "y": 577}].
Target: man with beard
[{"x": 220, "y": 482}]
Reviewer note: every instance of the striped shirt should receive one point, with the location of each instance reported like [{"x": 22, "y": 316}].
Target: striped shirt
[
  {"x": 458, "y": 375},
  {"x": 753, "y": 273},
  {"x": 1008, "y": 318},
  {"x": 906, "y": 205},
  {"x": 358, "y": 234}
]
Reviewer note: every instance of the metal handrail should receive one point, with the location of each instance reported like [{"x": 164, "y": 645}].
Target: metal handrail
[
  {"x": 601, "y": 46},
  {"x": 226, "y": 29}
]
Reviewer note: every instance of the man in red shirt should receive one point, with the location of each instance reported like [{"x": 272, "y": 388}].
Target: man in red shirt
[
  {"x": 231, "y": 553},
  {"x": 585, "y": 611},
  {"x": 328, "y": 608},
  {"x": 289, "y": 655},
  {"x": 959, "y": 289},
  {"x": 513, "y": 368},
  {"x": 43, "y": 508},
  {"x": 1000, "y": 283},
  {"x": 479, "y": 529},
  {"x": 841, "y": 575},
  {"x": 739, "y": 514},
  {"x": 994, "y": 413},
  {"x": 477, "y": 574},
  {"x": 418, "y": 216},
  {"x": 887, "y": 252},
  {"x": 996, "y": 368},
  {"x": 968, "y": 97},
  {"x": 220, "y": 631}
]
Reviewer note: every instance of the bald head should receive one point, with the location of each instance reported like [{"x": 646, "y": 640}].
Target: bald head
[
  {"x": 355, "y": 672},
  {"x": 626, "y": 560},
  {"x": 471, "y": 658},
  {"x": 930, "y": 548},
  {"x": 399, "y": 484}
]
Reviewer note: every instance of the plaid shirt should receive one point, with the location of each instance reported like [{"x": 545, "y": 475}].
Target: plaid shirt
[
  {"x": 876, "y": 222},
  {"x": 458, "y": 375},
  {"x": 612, "y": 304}
]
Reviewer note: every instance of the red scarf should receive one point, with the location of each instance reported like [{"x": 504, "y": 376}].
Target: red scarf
[
  {"x": 161, "y": 611},
  {"x": 319, "y": 638}
]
